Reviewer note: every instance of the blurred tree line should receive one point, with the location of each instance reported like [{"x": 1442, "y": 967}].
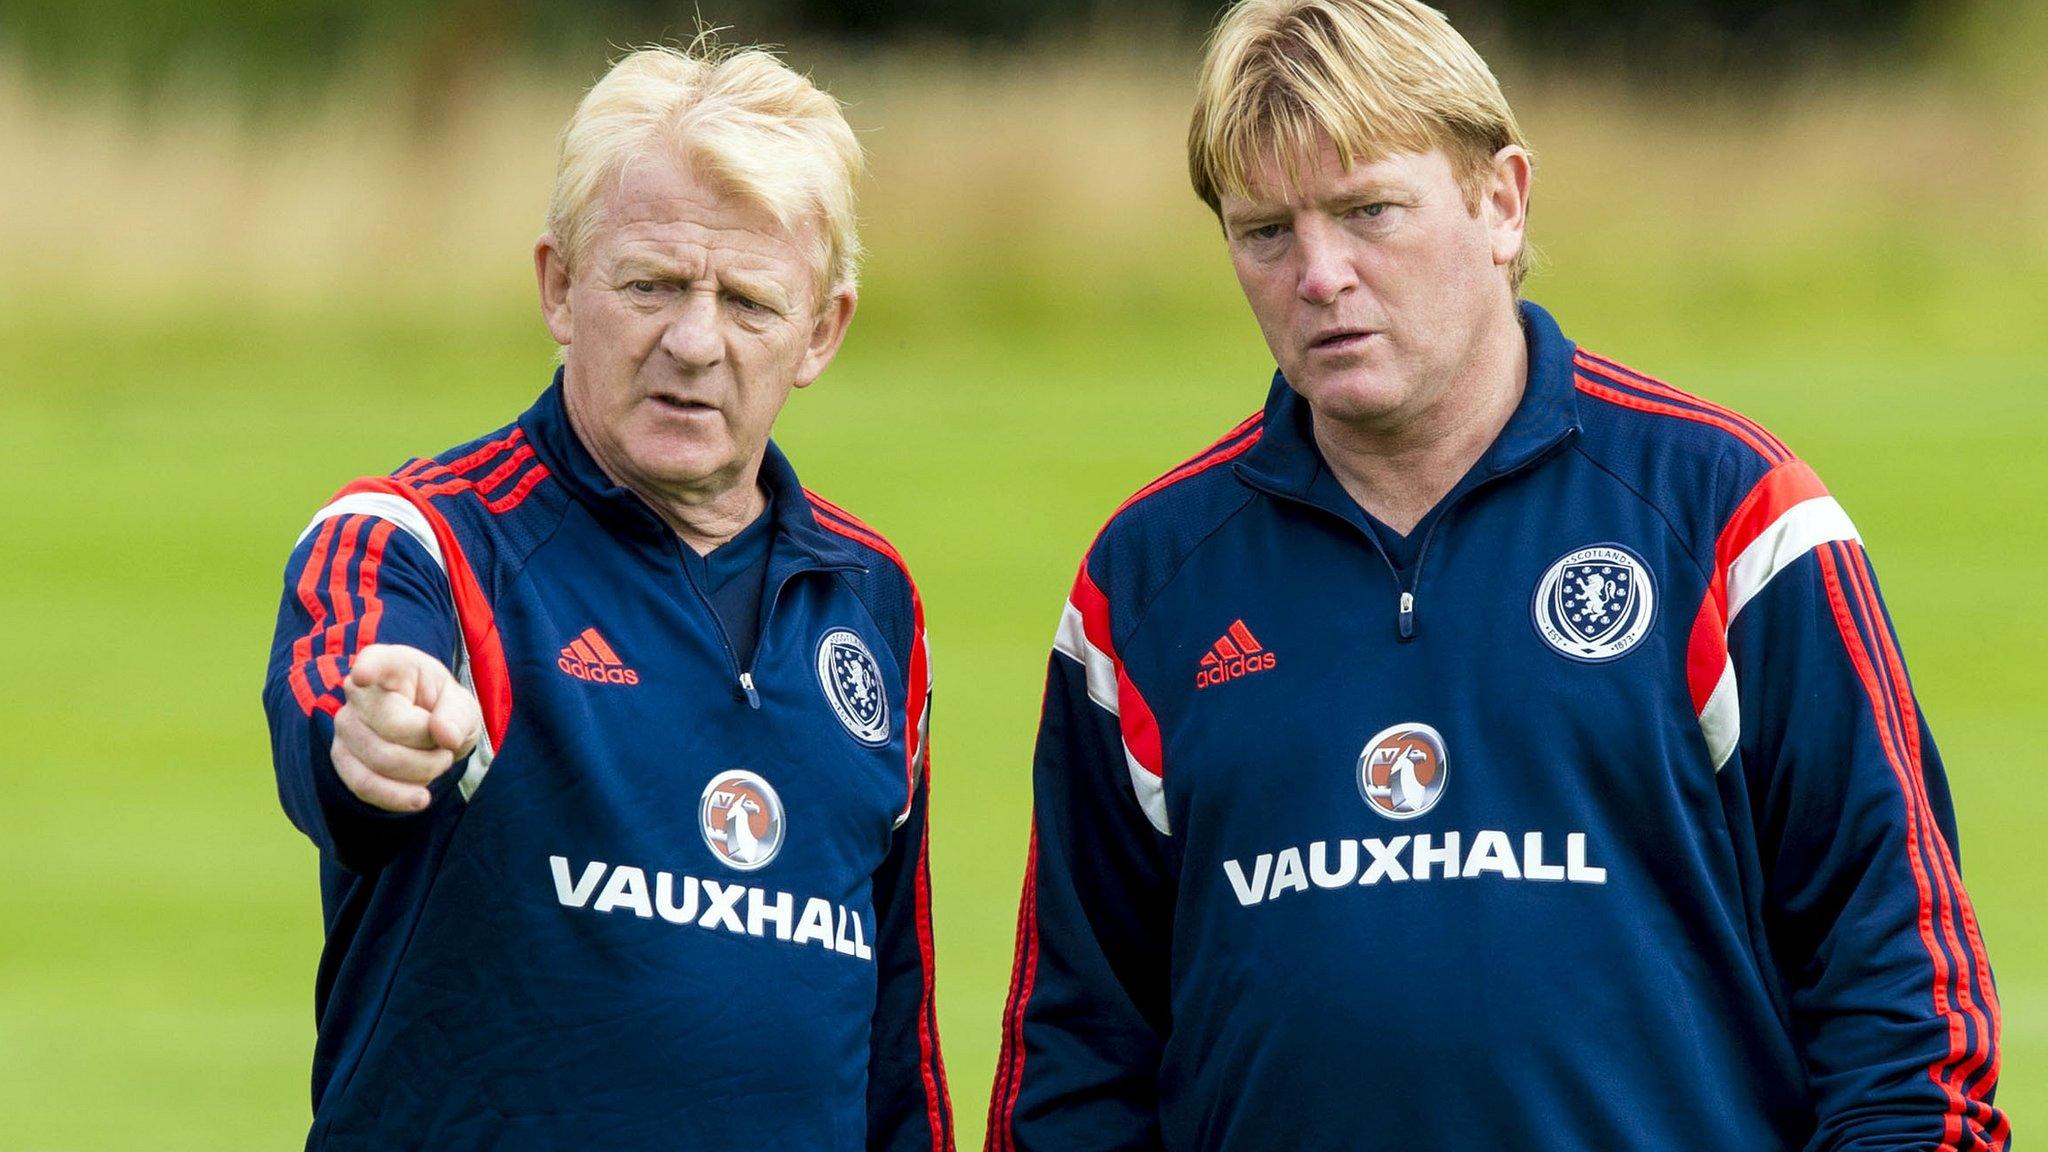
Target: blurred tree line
[
  {"x": 263, "y": 44},
  {"x": 1759, "y": 31}
]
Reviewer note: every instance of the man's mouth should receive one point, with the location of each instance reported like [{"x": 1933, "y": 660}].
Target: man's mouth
[
  {"x": 1340, "y": 339},
  {"x": 676, "y": 403}
]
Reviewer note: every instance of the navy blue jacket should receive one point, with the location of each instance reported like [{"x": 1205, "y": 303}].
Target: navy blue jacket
[
  {"x": 669, "y": 902},
  {"x": 1610, "y": 823}
]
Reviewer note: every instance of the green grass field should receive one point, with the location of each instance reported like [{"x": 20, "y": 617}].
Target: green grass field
[{"x": 159, "y": 919}]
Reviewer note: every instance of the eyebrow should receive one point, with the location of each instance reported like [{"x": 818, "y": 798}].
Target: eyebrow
[
  {"x": 762, "y": 288},
  {"x": 1368, "y": 194},
  {"x": 1263, "y": 214},
  {"x": 647, "y": 267},
  {"x": 1256, "y": 217}
]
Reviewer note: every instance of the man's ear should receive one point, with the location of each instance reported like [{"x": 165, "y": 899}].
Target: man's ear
[
  {"x": 551, "y": 269},
  {"x": 1506, "y": 202},
  {"x": 827, "y": 333}
]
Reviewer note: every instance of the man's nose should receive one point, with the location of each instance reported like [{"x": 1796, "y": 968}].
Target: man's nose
[
  {"x": 693, "y": 338},
  {"x": 1326, "y": 270}
]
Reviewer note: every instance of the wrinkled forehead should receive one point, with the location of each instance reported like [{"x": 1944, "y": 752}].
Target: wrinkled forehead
[{"x": 663, "y": 202}]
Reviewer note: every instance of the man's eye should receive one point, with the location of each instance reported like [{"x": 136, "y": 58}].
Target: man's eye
[
  {"x": 746, "y": 304},
  {"x": 1371, "y": 211},
  {"x": 1265, "y": 231},
  {"x": 643, "y": 287}
]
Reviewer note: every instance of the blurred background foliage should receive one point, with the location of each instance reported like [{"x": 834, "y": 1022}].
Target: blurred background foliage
[
  {"x": 248, "y": 250},
  {"x": 266, "y": 41},
  {"x": 272, "y": 46}
]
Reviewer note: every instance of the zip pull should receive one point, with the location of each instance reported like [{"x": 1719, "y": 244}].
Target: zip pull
[
  {"x": 747, "y": 686},
  {"x": 1407, "y": 620}
]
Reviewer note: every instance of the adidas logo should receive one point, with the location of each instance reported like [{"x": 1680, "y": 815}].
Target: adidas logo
[
  {"x": 588, "y": 657},
  {"x": 1236, "y": 653}
]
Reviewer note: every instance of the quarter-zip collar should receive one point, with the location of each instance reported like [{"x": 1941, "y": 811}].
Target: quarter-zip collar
[
  {"x": 554, "y": 440},
  {"x": 1285, "y": 460}
]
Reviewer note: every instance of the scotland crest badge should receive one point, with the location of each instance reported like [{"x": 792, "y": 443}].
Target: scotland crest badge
[
  {"x": 1595, "y": 604},
  {"x": 853, "y": 685}
]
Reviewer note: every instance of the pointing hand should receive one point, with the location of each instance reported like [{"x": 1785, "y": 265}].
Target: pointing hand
[{"x": 406, "y": 721}]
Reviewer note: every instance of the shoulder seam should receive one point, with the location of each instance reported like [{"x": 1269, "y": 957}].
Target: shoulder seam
[
  {"x": 1145, "y": 608},
  {"x": 1670, "y": 526},
  {"x": 867, "y": 609},
  {"x": 517, "y": 570},
  {"x": 1232, "y": 444}
]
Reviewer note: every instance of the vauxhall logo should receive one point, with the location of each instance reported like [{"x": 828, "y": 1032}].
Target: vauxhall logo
[
  {"x": 1402, "y": 773},
  {"x": 741, "y": 818},
  {"x": 1403, "y": 770}
]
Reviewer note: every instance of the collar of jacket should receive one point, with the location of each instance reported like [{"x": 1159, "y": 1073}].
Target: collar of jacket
[
  {"x": 556, "y": 443},
  {"x": 1285, "y": 460}
]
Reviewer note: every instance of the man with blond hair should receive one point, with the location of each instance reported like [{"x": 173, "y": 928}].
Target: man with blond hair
[
  {"x": 610, "y": 734},
  {"x": 1485, "y": 745}
]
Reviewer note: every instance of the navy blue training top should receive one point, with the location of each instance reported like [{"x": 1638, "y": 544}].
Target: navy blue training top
[
  {"x": 678, "y": 896},
  {"x": 1609, "y": 821}
]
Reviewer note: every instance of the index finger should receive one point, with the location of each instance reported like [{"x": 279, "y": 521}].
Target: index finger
[{"x": 391, "y": 715}]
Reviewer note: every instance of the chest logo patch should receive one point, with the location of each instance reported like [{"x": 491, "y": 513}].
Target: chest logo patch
[
  {"x": 1402, "y": 771},
  {"x": 853, "y": 686},
  {"x": 1236, "y": 653},
  {"x": 741, "y": 817},
  {"x": 1595, "y": 604},
  {"x": 588, "y": 657}
]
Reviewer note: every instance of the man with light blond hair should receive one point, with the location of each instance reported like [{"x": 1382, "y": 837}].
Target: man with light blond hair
[
  {"x": 610, "y": 734},
  {"x": 1485, "y": 745}
]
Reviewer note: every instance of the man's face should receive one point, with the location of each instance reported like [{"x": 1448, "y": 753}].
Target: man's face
[
  {"x": 685, "y": 322},
  {"x": 1373, "y": 286}
]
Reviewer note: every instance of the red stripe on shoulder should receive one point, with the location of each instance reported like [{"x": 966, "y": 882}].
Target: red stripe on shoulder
[
  {"x": 519, "y": 492},
  {"x": 1234, "y": 443},
  {"x": 1772, "y": 452},
  {"x": 1134, "y": 717},
  {"x": 1615, "y": 370},
  {"x": 506, "y": 468},
  {"x": 309, "y": 597},
  {"x": 491, "y": 466},
  {"x": 1790, "y": 483},
  {"x": 1093, "y": 605},
  {"x": 473, "y": 612},
  {"x": 839, "y": 521},
  {"x": 330, "y": 601},
  {"x": 344, "y": 607},
  {"x": 1140, "y": 728},
  {"x": 1782, "y": 488},
  {"x": 366, "y": 584},
  {"x": 484, "y": 454}
]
